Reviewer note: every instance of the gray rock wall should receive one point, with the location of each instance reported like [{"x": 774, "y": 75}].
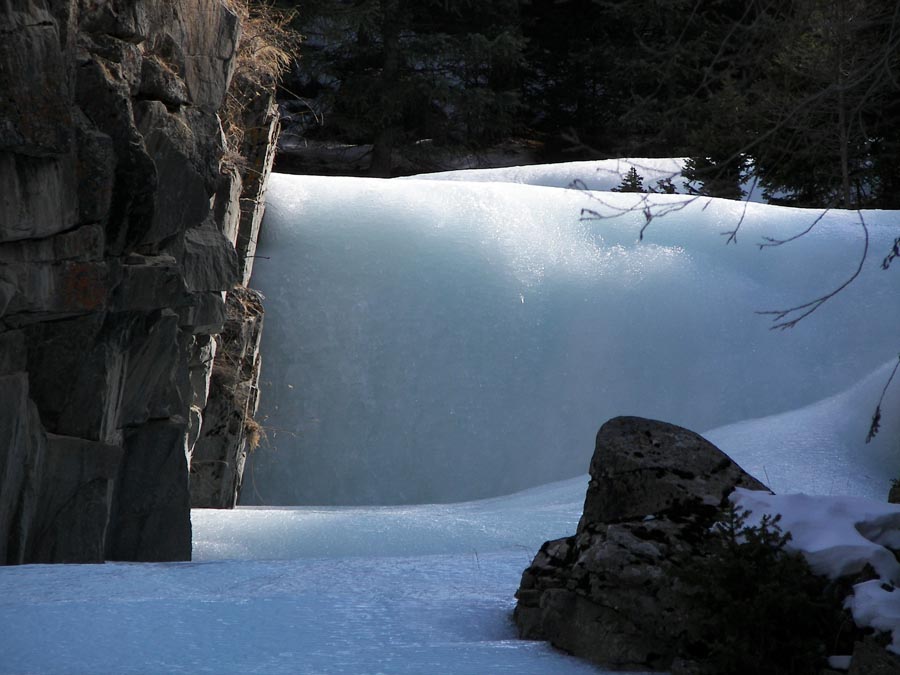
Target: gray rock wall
[{"x": 118, "y": 231}]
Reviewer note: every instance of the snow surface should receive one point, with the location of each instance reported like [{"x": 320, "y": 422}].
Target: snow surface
[
  {"x": 433, "y": 313},
  {"x": 820, "y": 449},
  {"x": 350, "y": 591},
  {"x": 603, "y": 174}
]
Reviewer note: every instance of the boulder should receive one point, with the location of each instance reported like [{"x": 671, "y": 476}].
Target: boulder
[
  {"x": 644, "y": 468},
  {"x": 610, "y": 593}
]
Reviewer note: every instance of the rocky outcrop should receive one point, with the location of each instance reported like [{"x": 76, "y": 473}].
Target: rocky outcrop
[
  {"x": 118, "y": 230},
  {"x": 229, "y": 431},
  {"x": 609, "y": 593}
]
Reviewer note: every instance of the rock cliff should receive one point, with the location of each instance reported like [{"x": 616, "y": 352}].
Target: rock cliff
[{"x": 120, "y": 231}]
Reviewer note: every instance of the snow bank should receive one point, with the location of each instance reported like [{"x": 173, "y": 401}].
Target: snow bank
[
  {"x": 520, "y": 522},
  {"x": 604, "y": 174},
  {"x": 786, "y": 450},
  {"x": 426, "y": 335}
]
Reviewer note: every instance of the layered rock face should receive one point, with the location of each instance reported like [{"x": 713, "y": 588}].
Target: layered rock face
[
  {"x": 118, "y": 235},
  {"x": 609, "y": 593}
]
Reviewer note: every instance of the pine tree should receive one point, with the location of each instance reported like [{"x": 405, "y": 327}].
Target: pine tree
[
  {"x": 832, "y": 104},
  {"x": 395, "y": 72},
  {"x": 632, "y": 182}
]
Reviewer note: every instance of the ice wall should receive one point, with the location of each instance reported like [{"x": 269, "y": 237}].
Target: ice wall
[{"x": 435, "y": 341}]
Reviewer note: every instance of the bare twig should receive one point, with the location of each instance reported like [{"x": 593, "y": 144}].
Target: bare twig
[
  {"x": 895, "y": 253},
  {"x": 732, "y": 234},
  {"x": 875, "y": 426},
  {"x": 772, "y": 241},
  {"x": 783, "y": 318},
  {"x": 645, "y": 205}
]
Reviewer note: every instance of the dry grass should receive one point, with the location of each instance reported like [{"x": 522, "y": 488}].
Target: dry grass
[
  {"x": 267, "y": 47},
  {"x": 255, "y": 432}
]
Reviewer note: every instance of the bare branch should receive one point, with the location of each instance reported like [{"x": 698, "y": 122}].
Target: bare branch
[
  {"x": 772, "y": 241},
  {"x": 894, "y": 254},
  {"x": 644, "y": 205},
  {"x": 875, "y": 426},
  {"x": 790, "y": 317}
]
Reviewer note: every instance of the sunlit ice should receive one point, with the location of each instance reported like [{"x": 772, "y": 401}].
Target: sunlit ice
[{"x": 445, "y": 340}]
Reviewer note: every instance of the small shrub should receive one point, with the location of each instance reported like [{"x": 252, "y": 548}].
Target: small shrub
[
  {"x": 255, "y": 432},
  {"x": 757, "y": 608},
  {"x": 665, "y": 186}
]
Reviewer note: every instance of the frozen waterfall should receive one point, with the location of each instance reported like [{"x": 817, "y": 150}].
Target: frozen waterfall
[{"x": 437, "y": 340}]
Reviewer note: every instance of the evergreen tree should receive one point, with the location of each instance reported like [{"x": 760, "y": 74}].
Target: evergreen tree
[
  {"x": 833, "y": 93},
  {"x": 567, "y": 77},
  {"x": 745, "y": 598},
  {"x": 632, "y": 182},
  {"x": 395, "y": 72},
  {"x": 801, "y": 93}
]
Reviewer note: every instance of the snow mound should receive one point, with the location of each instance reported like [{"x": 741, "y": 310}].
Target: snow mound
[
  {"x": 600, "y": 175},
  {"x": 519, "y": 522},
  {"x": 784, "y": 450},
  {"x": 604, "y": 174}
]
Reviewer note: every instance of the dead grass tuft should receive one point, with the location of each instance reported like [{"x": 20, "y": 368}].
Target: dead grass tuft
[
  {"x": 267, "y": 47},
  {"x": 255, "y": 432},
  {"x": 268, "y": 44}
]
